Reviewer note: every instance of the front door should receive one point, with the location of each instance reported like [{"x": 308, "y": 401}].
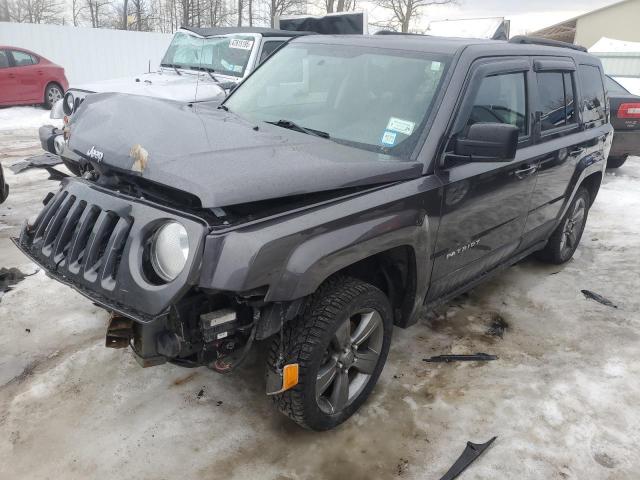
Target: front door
[{"x": 485, "y": 205}]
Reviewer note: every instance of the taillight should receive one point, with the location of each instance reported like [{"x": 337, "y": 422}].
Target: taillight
[{"x": 629, "y": 110}]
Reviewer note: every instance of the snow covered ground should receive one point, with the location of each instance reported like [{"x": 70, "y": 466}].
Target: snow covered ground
[
  {"x": 18, "y": 118},
  {"x": 563, "y": 398}
]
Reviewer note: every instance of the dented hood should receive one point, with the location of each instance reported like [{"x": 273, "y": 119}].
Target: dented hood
[
  {"x": 162, "y": 84},
  {"x": 218, "y": 156}
]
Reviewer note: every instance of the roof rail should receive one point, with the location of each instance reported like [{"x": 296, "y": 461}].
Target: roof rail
[
  {"x": 392, "y": 32},
  {"x": 524, "y": 40}
]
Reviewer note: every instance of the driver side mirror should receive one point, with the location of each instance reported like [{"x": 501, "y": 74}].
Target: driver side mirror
[{"x": 488, "y": 142}]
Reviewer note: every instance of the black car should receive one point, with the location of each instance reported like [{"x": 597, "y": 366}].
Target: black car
[
  {"x": 347, "y": 185},
  {"x": 4, "y": 188},
  {"x": 625, "y": 119}
]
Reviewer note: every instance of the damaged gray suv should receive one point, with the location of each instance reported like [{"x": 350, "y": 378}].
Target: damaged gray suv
[{"x": 345, "y": 186}]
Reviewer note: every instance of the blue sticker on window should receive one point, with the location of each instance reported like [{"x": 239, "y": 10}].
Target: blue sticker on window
[{"x": 388, "y": 138}]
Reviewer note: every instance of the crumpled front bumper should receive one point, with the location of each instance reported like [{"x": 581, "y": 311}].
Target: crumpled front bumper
[
  {"x": 51, "y": 139},
  {"x": 95, "y": 240}
]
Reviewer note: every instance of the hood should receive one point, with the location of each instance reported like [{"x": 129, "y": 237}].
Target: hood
[
  {"x": 188, "y": 87},
  {"x": 218, "y": 156}
]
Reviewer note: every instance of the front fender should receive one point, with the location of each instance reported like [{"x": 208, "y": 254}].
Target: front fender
[{"x": 293, "y": 254}]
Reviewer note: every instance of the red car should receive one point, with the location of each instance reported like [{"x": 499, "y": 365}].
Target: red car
[{"x": 27, "y": 78}]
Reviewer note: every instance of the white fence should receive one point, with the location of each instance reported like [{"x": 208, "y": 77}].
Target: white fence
[{"x": 89, "y": 54}]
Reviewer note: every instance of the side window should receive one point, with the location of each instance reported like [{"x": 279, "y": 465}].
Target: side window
[
  {"x": 593, "y": 97},
  {"x": 501, "y": 99},
  {"x": 555, "y": 93},
  {"x": 23, "y": 58},
  {"x": 268, "y": 48},
  {"x": 4, "y": 59}
]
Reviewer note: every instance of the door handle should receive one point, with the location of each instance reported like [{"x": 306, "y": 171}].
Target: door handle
[
  {"x": 11, "y": 75},
  {"x": 576, "y": 151},
  {"x": 526, "y": 172}
]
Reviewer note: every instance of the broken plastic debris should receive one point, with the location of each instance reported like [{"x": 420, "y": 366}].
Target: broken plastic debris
[
  {"x": 598, "y": 298},
  {"x": 476, "y": 357}
]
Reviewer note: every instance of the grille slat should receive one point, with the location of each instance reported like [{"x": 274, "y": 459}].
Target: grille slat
[
  {"x": 52, "y": 231},
  {"x": 113, "y": 253},
  {"x": 62, "y": 243},
  {"x": 80, "y": 238},
  {"x": 100, "y": 234},
  {"x": 43, "y": 220}
]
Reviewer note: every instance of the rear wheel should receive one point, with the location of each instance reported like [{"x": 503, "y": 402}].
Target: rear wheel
[
  {"x": 340, "y": 344},
  {"x": 616, "y": 162},
  {"x": 52, "y": 94},
  {"x": 565, "y": 238}
]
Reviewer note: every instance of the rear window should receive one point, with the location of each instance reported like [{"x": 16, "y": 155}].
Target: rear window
[
  {"x": 593, "y": 97},
  {"x": 614, "y": 87},
  {"x": 555, "y": 91},
  {"x": 23, "y": 58}
]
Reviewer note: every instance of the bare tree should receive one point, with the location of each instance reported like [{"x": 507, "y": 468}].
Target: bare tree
[
  {"x": 404, "y": 11},
  {"x": 277, "y": 8},
  {"x": 36, "y": 11},
  {"x": 4, "y": 11}
]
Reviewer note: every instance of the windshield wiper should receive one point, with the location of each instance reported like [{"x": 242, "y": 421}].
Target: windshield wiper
[
  {"x": 171, "y": 65},
  {"x": 294, "y": 126},
  {"x": 210, "y": 71}
]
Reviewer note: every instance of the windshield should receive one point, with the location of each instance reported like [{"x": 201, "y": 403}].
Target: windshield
[
  {"x": 226, "y": 55},
  {"x": 370, "y": 98}
]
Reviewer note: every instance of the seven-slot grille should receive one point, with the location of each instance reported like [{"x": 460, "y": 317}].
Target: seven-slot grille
[{"x": 80, "y": 239}]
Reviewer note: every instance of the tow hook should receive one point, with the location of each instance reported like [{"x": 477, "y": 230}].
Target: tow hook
[{"x": 119, "y": 331}]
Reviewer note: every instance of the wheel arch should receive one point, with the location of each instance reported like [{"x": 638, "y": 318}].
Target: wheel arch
[
  {"x": 592, "y": 183},
  {"x": 46, "y": 86}
]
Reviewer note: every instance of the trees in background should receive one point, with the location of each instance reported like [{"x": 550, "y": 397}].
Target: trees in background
[{"x": 168, "y": 15}]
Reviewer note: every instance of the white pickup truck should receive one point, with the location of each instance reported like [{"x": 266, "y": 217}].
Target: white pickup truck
[{"x": 201, "y": 64}]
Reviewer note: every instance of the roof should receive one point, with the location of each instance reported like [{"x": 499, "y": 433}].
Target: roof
[{"x": 265, "y": 32}]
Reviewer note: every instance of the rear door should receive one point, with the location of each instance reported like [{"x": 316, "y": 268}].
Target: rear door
[
  {"x": 562, "y": 138},
  {"x": 8, "y": 82},
  {"x": 28, "y": 76},
  {"x": 485, "y": 204}
]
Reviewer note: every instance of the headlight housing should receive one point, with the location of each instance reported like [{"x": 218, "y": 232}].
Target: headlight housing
[
  {"x": 68, "y": 104},
  {"x": 169, "y": 250}
]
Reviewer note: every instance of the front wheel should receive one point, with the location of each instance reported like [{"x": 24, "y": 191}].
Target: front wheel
[
  {"x": 564, "y": 240},
  {"x": 340, "y": 344},
  {"x": 616, "y": 162},
  {"x": 52, "y": 94}
]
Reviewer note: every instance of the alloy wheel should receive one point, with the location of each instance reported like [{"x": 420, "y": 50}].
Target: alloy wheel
[
  {"x": 349, "y": 361},
  {"x": 573, "y": 226},
  {"x": 53, "y": 95}
]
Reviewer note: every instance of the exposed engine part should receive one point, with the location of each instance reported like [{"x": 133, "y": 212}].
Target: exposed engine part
[
  {"x": 218, "y": 325},
  {"x": 119, "y": 331},
  {"x": 221, "y": 365},
  {"x": 470, "y": 454}
]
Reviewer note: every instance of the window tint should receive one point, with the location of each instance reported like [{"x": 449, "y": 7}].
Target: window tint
[
  {"x": 4, "y": 59},
  {"x": 555, "y": 92},
  {"x": 501, "y": 99},
  {"x": 23, "y": 58},
  {"x": 268, "y": 48},
  {"x": 593, "y": 98},
  {"x": 614, "y": 87}
]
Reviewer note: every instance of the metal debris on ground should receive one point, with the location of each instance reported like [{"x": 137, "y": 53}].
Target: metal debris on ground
[
  {"x": 38, "y": 161},
  {"x": 498, "y": 326},
  {"x": 476, "y": 357},
  {"x": 11, "y": 276},
  {"x": 598, "y": 298},
  {"x": 470, "y": 454}
]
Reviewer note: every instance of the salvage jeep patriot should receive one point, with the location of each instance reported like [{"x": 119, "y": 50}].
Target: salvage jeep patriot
[{"x": 347, "y": 184}]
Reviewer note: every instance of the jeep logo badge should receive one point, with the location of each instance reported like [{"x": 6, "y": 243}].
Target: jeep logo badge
[{"x": 95, "y": 154}]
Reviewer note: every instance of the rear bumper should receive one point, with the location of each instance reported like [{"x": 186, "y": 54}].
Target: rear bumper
[{"x": 625, "y": 142}]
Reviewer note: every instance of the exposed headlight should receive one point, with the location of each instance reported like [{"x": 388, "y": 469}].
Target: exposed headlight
[
  {"x": 68, "y": 103},
  {"x": 169, "y": 250}
]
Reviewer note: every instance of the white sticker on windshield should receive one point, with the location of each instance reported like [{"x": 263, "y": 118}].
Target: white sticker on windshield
[
  {"x": 242, "y": 44},
  {"x": 436, "y": 66},
  {"x": 401, "y": 126},
  {"x": 237, "y": 68}
]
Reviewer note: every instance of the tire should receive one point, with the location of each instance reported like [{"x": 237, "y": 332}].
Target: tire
[
  {"x": 52, "y": 94},
  {"x": 616, "y": 162},
  {"x": 565, "y": 239},
  {"x": 336, "y": 316}
]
